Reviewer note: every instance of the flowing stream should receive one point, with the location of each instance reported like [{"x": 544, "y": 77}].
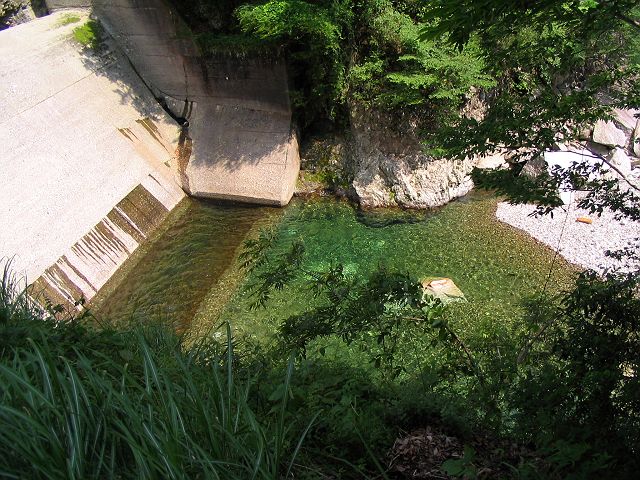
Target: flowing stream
[{"x": 190, "y": 274}]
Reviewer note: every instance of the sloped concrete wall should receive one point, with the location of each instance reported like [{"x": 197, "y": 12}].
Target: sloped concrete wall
[
  {"x": 85, "y": 170},
  {"x": 239, "y": 144}
]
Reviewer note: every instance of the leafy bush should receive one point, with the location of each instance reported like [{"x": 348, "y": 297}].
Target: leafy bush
[
  {"x": 89, "y": 35},
  {"x": 586, "y": 389},
  {"x": 401, "y": 70},
  {"x": 313, "y": 35},
  {"x": 7, "y": 7}
]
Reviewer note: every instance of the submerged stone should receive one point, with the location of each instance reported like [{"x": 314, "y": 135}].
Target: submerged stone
[{"x": 443, "y": 288}]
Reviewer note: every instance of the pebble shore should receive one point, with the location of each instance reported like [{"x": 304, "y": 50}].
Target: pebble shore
[{"x": 580, "y": 243}]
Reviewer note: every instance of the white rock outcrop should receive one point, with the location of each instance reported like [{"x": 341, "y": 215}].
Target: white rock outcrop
[
  {"x": 635, "y": 140},
  {"x": 606, "y": 133},
  {"x": 391, "y": 168},
  {"x": 626, "y": 118},
  {"x": 621, "y": 160}
]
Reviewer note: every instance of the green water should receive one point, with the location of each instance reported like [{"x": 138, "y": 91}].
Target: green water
[
  {"x": 496, "y": 266},
  {"x": 191, "y": 271},
  {"x": 180, "y": 268}
]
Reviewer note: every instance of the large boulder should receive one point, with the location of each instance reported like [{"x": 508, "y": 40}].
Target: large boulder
[
  {"x": 417, "y": 181},
  {"x": 492, "y": 161},
  {"x": 606, "y": 133},
  {"x": 391, "y": 167},
  {"x": 621, "y": 160},
  {"x": 626, "y": 118}
]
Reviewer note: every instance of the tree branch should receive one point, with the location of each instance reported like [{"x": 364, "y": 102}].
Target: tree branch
[
  {"x": 615, "y": 169},
  {"x": 628, "y": 20}
]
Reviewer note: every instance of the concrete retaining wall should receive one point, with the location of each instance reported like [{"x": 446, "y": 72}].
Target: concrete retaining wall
[
  {"x": 240, "y": 144},
  {"x": 86, "y": 171}
]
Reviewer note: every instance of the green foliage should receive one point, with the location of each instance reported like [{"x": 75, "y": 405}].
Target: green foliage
[
  {"x": 90, "y": 35},
  {"x": 381, "y": 306},
  {"x": 588, "y": 392},
  {"x": 277, "y": 274},
  {"x": 7, "y": 7},
  {"x": 460, "y": 18},
  {"x": 557, "y": 60},
  {"x": 565, "y": 363},
  {"x": 313, "y": 34},
  {"x": 462, "y": 467},
  {"x": 84, "y": 402},
  {"x": 400, "y": 70},
  {"x": 342, "y": 53},
  {"x": 602, "y": 190}
]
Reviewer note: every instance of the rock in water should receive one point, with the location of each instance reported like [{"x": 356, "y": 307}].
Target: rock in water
[
  {"x": 442, "y": 288},
  {"x": 391, "y": 167}
]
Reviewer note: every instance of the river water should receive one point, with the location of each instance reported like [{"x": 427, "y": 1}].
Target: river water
[
  {"x": 176, "y": 271},
  {"x": 190, "y": 274}
]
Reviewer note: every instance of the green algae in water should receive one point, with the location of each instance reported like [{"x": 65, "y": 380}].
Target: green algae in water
[
  {"x": 496, "y": 266},
  {"x": 181, "y": 267},
  {"x": 179, "y": 277}
]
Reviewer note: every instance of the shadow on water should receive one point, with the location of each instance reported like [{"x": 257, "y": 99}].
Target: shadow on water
[
  {"x": 180, "y": 267},
  {"x": 495, "y": 265},
  {"x": 387, "y": 217}
]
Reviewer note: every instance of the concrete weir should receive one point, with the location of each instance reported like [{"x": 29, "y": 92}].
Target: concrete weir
[
  {"x": 85, "y": 175},
  {"x": 239, "y": 143},
  {"x": 99, "y": 141}
]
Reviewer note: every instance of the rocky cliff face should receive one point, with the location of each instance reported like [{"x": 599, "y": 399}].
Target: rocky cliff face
[
  {"x": 15, "y": 12},
  {"x": 380, "y": 162},
  {"x": 390, "y": 166}
]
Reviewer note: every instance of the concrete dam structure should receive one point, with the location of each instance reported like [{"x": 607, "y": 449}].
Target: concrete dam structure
[
  {"x": 239, "y": 143},
  {"x": 99, "y": 142}
]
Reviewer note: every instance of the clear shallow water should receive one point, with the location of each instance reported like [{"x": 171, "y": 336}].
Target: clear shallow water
[
  {"x": 179, "y": 277},
  {"x": 495, "y": 265},
  {"x": 177, "y": 270}
]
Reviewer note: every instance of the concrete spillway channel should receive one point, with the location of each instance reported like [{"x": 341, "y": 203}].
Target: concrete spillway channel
[{"x": 92, "y": 163}]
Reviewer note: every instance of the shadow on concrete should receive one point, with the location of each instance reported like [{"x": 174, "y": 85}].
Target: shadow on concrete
[
  {"x": 239, "y": 136},
  {"x": 237, "y": 109},
  {"x": 234, "y": 111}
]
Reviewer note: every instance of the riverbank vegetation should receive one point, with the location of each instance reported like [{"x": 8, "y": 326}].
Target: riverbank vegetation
[
  {"x": 341, "y": 52},
  {"x": 510, "y": 384},
  {"x": 358, "y": 374}
]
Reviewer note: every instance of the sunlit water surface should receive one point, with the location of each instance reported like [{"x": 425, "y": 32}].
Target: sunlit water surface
[{"x": 192, "y": 271}]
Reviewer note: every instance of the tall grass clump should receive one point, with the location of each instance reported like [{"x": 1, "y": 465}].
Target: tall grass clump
[{"x": 82, "y": 402}]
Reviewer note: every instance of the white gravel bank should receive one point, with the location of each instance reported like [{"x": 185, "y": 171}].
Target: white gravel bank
[{"x": 582, "y": 244}]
